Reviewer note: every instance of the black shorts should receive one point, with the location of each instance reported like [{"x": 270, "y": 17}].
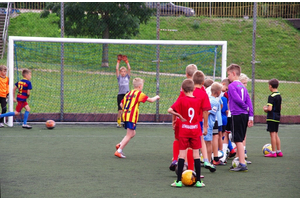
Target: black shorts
[
  {"x": 119, "y": 99},
  {"x": 229, "y": 124},
  {"x": 272, "y": 126},
  {"x": 216, "y": 128},
  {"x": 223, "y": 128},
  {"x": 239, "y": 127}
]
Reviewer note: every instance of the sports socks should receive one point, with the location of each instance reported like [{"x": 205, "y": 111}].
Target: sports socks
[
  {"x": 26, "y": 114},
  {"x": 197, "y": 168},
  {"x": 8, "y": 114},
  {"x": 175, "y": 150},
  {"x": 119, "y": 120},
  {"x": 180, "y": 169},
  {"x": 230, "y": 145}
]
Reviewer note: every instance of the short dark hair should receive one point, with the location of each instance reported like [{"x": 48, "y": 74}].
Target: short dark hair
[
  {"x": 187, "y": 85},
  {"x": 25, "y": 71},
  {"x": 208, "y": 83},
  {"x": 274, "y": 83}
]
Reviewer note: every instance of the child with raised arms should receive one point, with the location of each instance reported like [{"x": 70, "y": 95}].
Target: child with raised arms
[{"x": 130, "y": 106}]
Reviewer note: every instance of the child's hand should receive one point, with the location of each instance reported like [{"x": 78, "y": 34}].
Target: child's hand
[
  {"x": 265, "y": 108},
  {"x": 15, "y": 100},
  {"x": 204, "y": 130},
  {"x": 181, "y": 118},
  {"x": 120, "y": 57},
  {"x": 157, "y": 97},
  {"x": 124, "y": 58},
  {"x": 250, "y": 123}
]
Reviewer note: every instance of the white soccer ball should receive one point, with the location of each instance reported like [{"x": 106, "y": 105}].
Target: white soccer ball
[{"x": 236, "y": 162}]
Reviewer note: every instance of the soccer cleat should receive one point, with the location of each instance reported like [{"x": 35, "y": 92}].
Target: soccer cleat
[
  {"x": 209, "y": 166},
  {"x": 279, "y": 154},
  {"x": 272, "y": 155},
  {"x": 200, "y": 184},
  {"x": 26, "y": 126},
  {"x": 239, "y": 168},
  {"x": 120, "y": 155},
  {"x": 1, "y": 125},
  {"x": 232, "y": 153},
  {"x": 176, "y": 184},
  {"x": 173, "y": 165},
  {"x": 119, "y": 126},
  {"x": 246, "y": 154},
  {"x": 218, "y": 163},
  {"x": 118, "y": 146}
]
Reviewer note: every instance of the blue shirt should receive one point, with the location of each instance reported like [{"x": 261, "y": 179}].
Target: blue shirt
[
  {"x": 223, "y": 111},
  {"x": 215, "y": 107}
]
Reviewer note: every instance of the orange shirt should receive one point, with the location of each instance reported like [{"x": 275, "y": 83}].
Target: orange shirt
[
  {"x": 131, "y": 102},
  {"x": 4, "y": 87}
]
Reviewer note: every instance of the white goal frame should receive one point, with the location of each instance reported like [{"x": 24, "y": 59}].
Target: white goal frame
[{"x": 13, "y": 39}]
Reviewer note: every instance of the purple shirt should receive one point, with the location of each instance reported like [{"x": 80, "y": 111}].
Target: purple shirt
[{"x": 239, "y": 99}]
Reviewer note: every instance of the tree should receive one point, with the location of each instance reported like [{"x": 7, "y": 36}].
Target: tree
[{"x": 107, "y": 20}]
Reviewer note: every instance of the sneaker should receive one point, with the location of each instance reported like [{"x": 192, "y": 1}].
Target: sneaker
[
  {"x": 200, "y": 184},
  {"x": 118, "y": 146},
  {"x": 232, "y": 153},
  {"x": 120, "y": 155},
  {"x": 248, "y": 162},
  {"x": 209, "y": 166},
  {"x": 173, "y": 165},
  {"x": 119, "y": 126},
  {"x": 176, "y": 184},
  {"x": 218, "y": 163},
  {"x": 271, "y": 155},
  {"x": 201, "y": 176},
  {"x": 26, "y": 126},
  {"x": 1, "y": 125},
  {"x": 239, "y": 168},
  {"x": 279, "y": 154}
]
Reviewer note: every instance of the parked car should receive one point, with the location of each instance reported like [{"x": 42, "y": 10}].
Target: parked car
[{"x": 169, "y": 8}]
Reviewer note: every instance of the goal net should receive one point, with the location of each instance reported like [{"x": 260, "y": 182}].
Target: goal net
[{"x": 70, "y": 85}]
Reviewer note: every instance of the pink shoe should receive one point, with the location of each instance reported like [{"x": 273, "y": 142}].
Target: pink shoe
[
  {"x": 271, "y": 155},
  {"x": 279, "y": 154}
]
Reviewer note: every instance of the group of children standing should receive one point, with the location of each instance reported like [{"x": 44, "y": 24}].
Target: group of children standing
[{"x": 203, "y": 115}]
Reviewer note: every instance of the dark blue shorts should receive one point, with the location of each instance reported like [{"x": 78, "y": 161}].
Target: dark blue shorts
[{"x": 129, "y": 125}]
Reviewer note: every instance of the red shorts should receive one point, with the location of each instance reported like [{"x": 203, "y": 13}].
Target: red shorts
[
  {"x": 176, "y": 131},
  {"x": 20, "y": 105},
  {"x": 185, "y": 142}
]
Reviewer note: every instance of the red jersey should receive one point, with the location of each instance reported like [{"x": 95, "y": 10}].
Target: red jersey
[
  {"x": 189, "y": 108},
  {"x": 201, "y": 94}
]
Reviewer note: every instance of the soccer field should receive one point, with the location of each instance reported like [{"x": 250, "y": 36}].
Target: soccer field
[{"x": 78, "y": 161}]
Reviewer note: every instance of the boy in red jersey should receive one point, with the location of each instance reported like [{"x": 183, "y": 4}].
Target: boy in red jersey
[
  {"x": 188, "y": 109},
  {"x": 130, "y": 105},
  {"x": 3, "y": 91},
  {"x": 24, "y": 86}
]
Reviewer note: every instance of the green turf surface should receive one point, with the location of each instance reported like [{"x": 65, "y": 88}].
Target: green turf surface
[{"x": 78, "y": 161}]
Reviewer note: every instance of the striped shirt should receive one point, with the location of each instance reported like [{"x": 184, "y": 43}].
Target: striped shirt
[
  {"x": 131, "y": 102},
  {"x": 23, "y": 85}
]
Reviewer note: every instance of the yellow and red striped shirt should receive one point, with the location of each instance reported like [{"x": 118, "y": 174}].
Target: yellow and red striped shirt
[
  {"x": 131, "y": 102},
  {"x": 4, "y": 87}
]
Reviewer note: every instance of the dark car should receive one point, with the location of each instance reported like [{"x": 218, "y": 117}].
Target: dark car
[{"x": 169, "y": 8}]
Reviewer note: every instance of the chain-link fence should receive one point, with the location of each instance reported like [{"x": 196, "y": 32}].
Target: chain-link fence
[{"x": 277, "y": 52}]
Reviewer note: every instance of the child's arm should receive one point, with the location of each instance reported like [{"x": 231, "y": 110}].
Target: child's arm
[
  {"x": 118, "y": 64},
  {"x": 171, "y": 111},
  {"x": 153, "y": 99},
  {"x": 268, "y": 108},
  {"x": 205, "y": 122},
  {"x": 14, "y": 93}
]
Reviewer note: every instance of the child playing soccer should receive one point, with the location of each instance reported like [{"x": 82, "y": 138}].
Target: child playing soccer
[
  {"x": 130, "y": 105},
  {"x": 241, "y": 109},
  {"x": 188, "y": 109},
  {"x": 215, "y": 107},
  {"x": 3, "y": 91},
  {"x": 24, "y": 86},
  {"x": 273, "y": 109},
  {"x": 123, "y": 76}
]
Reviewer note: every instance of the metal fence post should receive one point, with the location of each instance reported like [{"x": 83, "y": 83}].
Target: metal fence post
[
  {"x": 253, "y": 54},
  {"x": 157, "y": 59},
  {"x": 62, "y": 63}
]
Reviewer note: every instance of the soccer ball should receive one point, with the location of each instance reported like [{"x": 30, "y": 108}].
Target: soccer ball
[
  {"x": 185, "y": 167},
  {"x": 236, "y": 162},
  {"x": 267, "y": 148},
  {"x": 188, "y": 178},
  {"x": 50, "y": 124}
]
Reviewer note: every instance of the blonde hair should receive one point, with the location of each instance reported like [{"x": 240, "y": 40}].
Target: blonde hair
[
  {"x": 243, "y": 77},
  {"x": 234, "y": 67},
  {"x": 123, "y": 68},
  {"x": 190, "y": 69},
  {"x": 137, "y": 82},
  {"x": 216, "y": 87},
  {"x": 2, "y": 67},
  {"x": 187, "y": 85},
  {"x": 198, "y": 77}
]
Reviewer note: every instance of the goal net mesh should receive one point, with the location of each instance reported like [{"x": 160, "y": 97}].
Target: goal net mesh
[{"x": 83, "y": 87}]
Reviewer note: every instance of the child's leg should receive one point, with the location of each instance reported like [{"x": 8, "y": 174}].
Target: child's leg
[
  {"x": 204, "y": 149},
  {"x": 197, "y": 163},
  {"x": 209, "y": 150},
  {"x": 190, "y": 158},
  {"x": 220, "y": 140},
  {"x": 26, "y": 114},
  {"x": 119, "y": 117},
  {"x": 273, "y": 141},
  {"x": 182, "y": 154},
  {"x": 3, "y": 106},
  {"x": 215, "y": 147},
  {"x": 175, "y": 150},
  {"x": 240, "y": 152},
  {"x": 278, "y": 143},
  {"x": 130, "y": 134}
]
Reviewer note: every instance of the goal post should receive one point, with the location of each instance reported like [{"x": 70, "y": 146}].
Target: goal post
[{"x": 180, "y": 53}]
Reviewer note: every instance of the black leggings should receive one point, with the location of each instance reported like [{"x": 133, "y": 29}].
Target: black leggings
[{"x": 3, "y": 106}]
